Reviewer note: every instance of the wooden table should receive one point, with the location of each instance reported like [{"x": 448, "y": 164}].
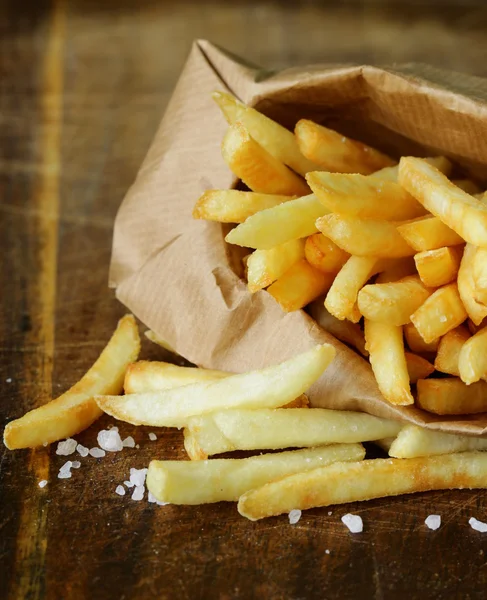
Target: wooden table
[{"x": 83, "y": 85}]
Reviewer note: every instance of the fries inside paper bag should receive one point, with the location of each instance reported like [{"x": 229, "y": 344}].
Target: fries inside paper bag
[{"x": 184, "y": 282}]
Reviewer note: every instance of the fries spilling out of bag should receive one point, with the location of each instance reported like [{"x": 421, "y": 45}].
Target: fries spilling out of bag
[{"x": 389, "y": 257}]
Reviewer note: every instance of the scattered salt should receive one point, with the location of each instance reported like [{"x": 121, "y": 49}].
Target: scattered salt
[
  {"x": 138, "y": 493},
  {"x": 42, "y": 483},
  {"x": 137, "y": 446},
  {"x": 9, "y": 380},
  {"x": 65, "y": 470},
  {"x": 152, "y": 437},
  {"x": 353, "y": 522},
  {"x": 327, "y": 551},
  {"x": 110, "y": 440},
  {"x": 433, "y": 522},
  {"x": 477, "y": 525},
  {"x": 128, "y": 484},
  {"x": 82, "y": 450},
  {"x": 76, "y": 464},
  {"x": 120, "y": 490},
  {"x": 330, "y": 513},
  {"x": 294, "y": 516},
  {"x": 443, "y": 319},
  {"x": 137, "y": 476},
  {"x": 128, "y": 442},
  {"x": 66, "y": 447},
  {"x": 97, "y": 453}
]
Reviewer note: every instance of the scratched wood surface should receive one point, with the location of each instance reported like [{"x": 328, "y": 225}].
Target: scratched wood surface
[{"x": 82, "y": 88}]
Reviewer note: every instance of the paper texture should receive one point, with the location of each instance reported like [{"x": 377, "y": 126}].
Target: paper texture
[{"x": 177, "y": 274}]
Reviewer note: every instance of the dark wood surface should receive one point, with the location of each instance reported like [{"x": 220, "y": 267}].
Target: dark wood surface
[{"x": 83, "y": 85}]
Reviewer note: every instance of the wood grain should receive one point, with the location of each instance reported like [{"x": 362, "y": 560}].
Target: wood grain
[{"x": 83, "y": 85}]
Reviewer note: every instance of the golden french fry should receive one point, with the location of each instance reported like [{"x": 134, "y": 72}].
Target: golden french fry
[
  {"x": 413, "y": 441},
  {"x": 451, "y": 396},
  {"x": 393, "y": 303},
  {"x": 466, "y": 286},
  {"x": 428, "y": 233},
  {"x": 275, "y": 138},
  {"x": 233, "y": 206},
  {"x": 440, "y": 266},
  {"x": 268, "y": 388},
  {"x": 351, "y": 482},
  {"x": 467, "y": 185},
  {"x": 440, "y": 313},
  {"x": 76, "y": 409},
  {"x": 463, "y": 213},
  {"x": 300, "y": 285},
  {"x": 269, "y": 228},
  {"x": 416, "y": 343},
  {"x": 342, "y": 296},
  {"x": 400, "y": 268},
  {"x": 274, "y": 429},
  {"x": 258, "y": 169},
  {"x": 323, "y": 254},
  {"x": 265, "y": 266},
  {"x": 449, "y": 348},
  {"x": 391, "y": 173},
  {"x": 472, "y": 361},
  {"x": 335, "y": 152},
  {"x": 156, "y": 339},
  {"x": 345, "y": 331},
  {"x": 226, "y": 479},
  {"x": 480, "y": 275},
  {"x": 388, "y": 361},
  {"x": 363, "y": 196},
  {"x": 418, "y": 367},
  {"x": 364, "y": 237}
]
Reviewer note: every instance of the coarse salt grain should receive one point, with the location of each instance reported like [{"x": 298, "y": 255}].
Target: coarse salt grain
[
  {"x": 128, "y": 442},
  {"x": 433, "y": 522},
  {"x": 353, "y": 522},
  {"x": 76, "y": 464},
  {"x": 97, "y": 453},
  {"x": 110, "y": 440},
  {"x": 9, "y": 380},
  {"x": 294, "y": 516},
  {"x": 66, "y": 447},
  {"x": 137, "y": 476},
  {"x": 120, "y": 490},
  {"x": 327, "y": 551},
  {"x": 128, "y": 484},
  {"x": 477, "y": 525},
  {"x": 82, "y": 450},
  {"x": 152, "y": 437},
  {"x": 443, "y": 319},
  {"x": 65, "y": 470},
  {"x": 42, "y": 483},
  {"x": 138, "y": 493},
  {"x": 330, "y": 513}
]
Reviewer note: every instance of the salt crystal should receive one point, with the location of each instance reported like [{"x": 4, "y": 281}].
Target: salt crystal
[
  {"x": 65, "y": 470},
  {"x": 110, "y": 440},
  {"x": 294, "y": 516},
  {"x": 137, "y": 446},
  {"x": 97, "y": 453},
  {"x": 138, "y": 493},
  {"x": 44, "y": 444},
  {"x": 128, "y": 484},
  {"x": 327, "y": 551},
  {"x": 9, "y": 380},
  {"x": 137, "y": 476},
  {"x": 477, "y": 525},
  {"x": 152, "y": 437},
  {"x": 443, "y": 319},
  {"x": 120, "y": 490},
  {"x": 330, "y": 513},
  {"x": 128, "y": 442},
  {"x": 353, "y": 522},
  {"x": 67, "y": 447},
  {"x": 82, "y": 450},
  {"x": 76, "y": 464},
  {"x": 42, "y": 483},
  {"x": 433, "y": 522}
]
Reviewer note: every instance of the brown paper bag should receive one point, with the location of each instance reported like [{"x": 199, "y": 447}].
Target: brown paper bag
[{"x": 178, "y": 275}]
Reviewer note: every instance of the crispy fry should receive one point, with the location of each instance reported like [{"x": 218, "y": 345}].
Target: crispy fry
[
  {"x": 276, "y": 139},
  {"x": 472, "y": 361},
  {"x": 440, "y": 313},
  {"x": 233, "y": 206},
  {"x": 440, "y": 266},
  {"x": 428, "y": 233},
  {"x": 269, "y": 228},
  {"x": 335, "y": 152},
  {"x": 391, "y": 173},
  {"x": 300, "y": 285},
  {"x": 451, "y": 396},
  {"x": 467, "y": 185},
  {"x": 351, "y": 482},
  {"x": 413, "y": 441},
  {"x": 156, "y": 339},
  {"x": 400, "y": 268},
  {"x": 363, "y": 237},
  {"x": 265, "y": 266},
  {"x": 387, "y": 359},
  {"x": 258, "y": 169},
  {"x": 480, "y": 275},
  {"x": 466, "y": 286},
  {"x": 363, "y": 196},
  {"x": 345, "y": 331},
  {"x": 463, "y": 213},
  {"x": 323, "y": 254},
  {"x": 226, "y": 479},
  {"x": 393, "y": 303},
  {"x": 268, "y": 388},
  {"x": 269, "y": 429},
  {"x": 449, "y": 350},
  {"x": 416, "y": 343},
  {"x": 418, "y": 367},
  {"x": 76, "y": 409}
]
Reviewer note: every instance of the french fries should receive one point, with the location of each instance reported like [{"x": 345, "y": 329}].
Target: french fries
[
  {"x": 300, "y": 285},
  {"x": 269, "y": 228},
  {"x": 480, "y": 275},
  {"x": 258, "y": 169},
  {"x": 413, "y": 441},
  {"x": 268, "y": 388},
  {"x": 226, "y": 479},
  {"x": 449, "y": 348},
  {"x": 391, "y": 173},
  {"x": 451, "y": 396},
  {"x": 233, "y": 206},
  {"x": 440, "y": 313},
  {"x": 335, "y": 152},
  {"x": 76, "y": 409},
  {"x": 438, "y": 267},
  {"x": 416, "y": 343},
  {"x": 363, "y": 197},
  {"x": 357, "y": 481},
  {"x": 466, "y": 286},
  {"x": 472, "y": 361},
  {"x": 387, "y": 359},
  {"x": 150, "y": 376},
  {"x": 275, "y": 138},
  {"x": 323, "y": 254},
  {"x": 344, "y": 330},
  {"x": 428, "y": 233},
  {"x": 418, "y": 367},
  {"x": 265, "y": 266},
  {"x": 393, "y": 303},
  {"x": 272, "y": 429}
]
